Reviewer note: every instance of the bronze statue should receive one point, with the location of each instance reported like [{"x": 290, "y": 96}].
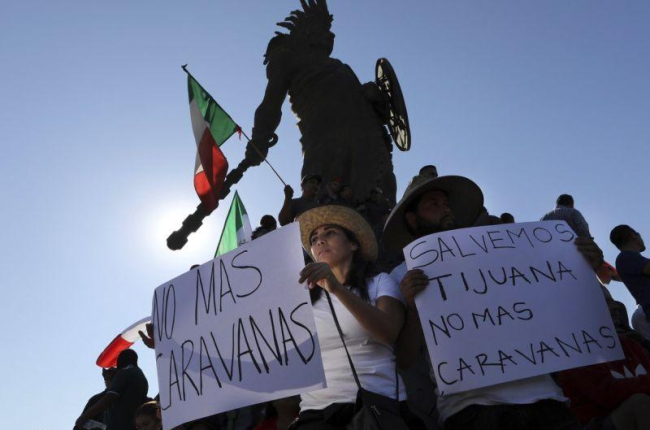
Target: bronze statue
[{"x": 341, "y": 120}]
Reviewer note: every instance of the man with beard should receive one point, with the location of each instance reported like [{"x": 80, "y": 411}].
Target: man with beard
[{"x": 432, "y": 205}]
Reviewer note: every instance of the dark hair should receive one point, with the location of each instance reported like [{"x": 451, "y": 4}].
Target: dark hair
[
  {"x": 507, "y": 218},
  {"x": 128, "y": 357},
  {"x": 620, "y": 235},
  {"x": 268, "y": 222},
  {"x": 564, "y": 200},
  {"x": 150, "y": 409},
  {"x": 360, "y": 272}
]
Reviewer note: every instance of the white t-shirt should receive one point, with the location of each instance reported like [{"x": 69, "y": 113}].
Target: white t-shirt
[
  {"x": 524, "y": 391},
  {"x": 373, "y": 360}
]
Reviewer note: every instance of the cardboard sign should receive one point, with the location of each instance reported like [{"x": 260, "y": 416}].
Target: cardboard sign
[
  {"x": 236, "y": 331},
  {"x": 508, "y": 302}
]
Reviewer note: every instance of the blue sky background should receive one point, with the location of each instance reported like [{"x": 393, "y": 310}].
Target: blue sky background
[{"x": 529, "y": 99}]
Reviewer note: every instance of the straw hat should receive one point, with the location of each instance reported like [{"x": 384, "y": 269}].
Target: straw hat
[
  {"x": 342, "y": 216},
  {"x": 465, "y": 201}
]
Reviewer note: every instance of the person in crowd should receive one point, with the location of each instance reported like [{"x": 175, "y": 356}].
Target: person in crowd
[
  {"x": 507, "y": 218},
  {"x": 331, "y": 195},
  {"x": 267, "y": 225},
  {"x": 376, "y": 209},
  {"x": 291, "y": 208},
  {"x": 345, "y": 196},
  {"x": 564, "y": 211},
  {"x": 107, "y": 375},
  {"x": 147, "y": 417},
  {"x": 614, "y": 395},
  {"x": 632, "y": 267},
  {"x": 280, "y": 414},
  {"x": 429, "y": 170},
  {"x": 432, "y": 205},
  {"x": 367, "y": 304},
  {"x": 127, "y": 392}
]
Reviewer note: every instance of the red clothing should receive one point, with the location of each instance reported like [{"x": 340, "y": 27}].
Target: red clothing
[
  {"x": 595, "y": 391},
  {"x": 268, "y": 424}
]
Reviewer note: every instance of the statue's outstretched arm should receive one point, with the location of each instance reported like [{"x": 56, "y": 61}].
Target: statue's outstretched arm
[{"x": 267, "y": 119}]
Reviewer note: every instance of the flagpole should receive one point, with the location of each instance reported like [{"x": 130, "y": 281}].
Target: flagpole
[
  {"x": 263, "y": 157},
  {"x": 239, "y": 129}
]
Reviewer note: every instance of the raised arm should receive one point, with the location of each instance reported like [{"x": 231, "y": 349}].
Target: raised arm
[{"x": 268, "y": 113}]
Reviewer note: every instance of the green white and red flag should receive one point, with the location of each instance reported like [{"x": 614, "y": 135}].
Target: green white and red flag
[
  {"x": 212, "y": 126},
  {"x": 237, "y": 228}
]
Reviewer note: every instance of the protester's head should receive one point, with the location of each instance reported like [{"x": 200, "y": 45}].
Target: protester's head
[
  {"x": 377, "y": 195},
  {"x": 267, "y": 225},
  {"x": 507, "y": 218},
  {"x": 108, "y": 375},
  {"x": 342, "y": 238},
  {"x": 565, "y": 200},
  {"x": 268, "y": 222},
  {"x": 310, "y": 185},
  {"x": 346, "y": 193},
  {"x": 429, "y": 170},
  {"x": 626, "y": 238},
  {"x": 431, "y": 205},
  {"x": 128, "y": 357},
  {"x": 334, "y": 186},
  {"x": 147, "y": 417}
]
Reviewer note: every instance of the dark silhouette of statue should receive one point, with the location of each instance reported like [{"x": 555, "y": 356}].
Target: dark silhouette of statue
[{"x": 341, "y": 120}]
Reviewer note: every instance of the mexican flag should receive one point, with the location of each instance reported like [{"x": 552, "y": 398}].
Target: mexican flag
[
  {"x": 237, "y": 228},
  {"x": 212, "y": 126}
]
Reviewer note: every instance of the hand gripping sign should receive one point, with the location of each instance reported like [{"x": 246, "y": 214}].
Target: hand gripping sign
[
  {"x": 236, "y": 331},
  {"x": 509, "y": 302}
]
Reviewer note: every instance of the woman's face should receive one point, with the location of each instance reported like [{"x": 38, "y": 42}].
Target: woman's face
[
  {"x": 145, "y": 422},
  {"x": 330, "y": 245}
]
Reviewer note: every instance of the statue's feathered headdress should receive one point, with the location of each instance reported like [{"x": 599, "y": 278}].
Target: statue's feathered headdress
[
  {"x": 313, "y": 20},
  {"x": 313, "y": 16}
]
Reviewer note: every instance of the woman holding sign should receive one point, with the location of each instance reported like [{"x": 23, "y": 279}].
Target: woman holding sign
[{"x": 355, "y": 304}]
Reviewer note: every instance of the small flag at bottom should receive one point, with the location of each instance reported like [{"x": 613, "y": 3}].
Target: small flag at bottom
[
  {"x": 237, "y": 228},
  {"x": 124, "y": 340}
]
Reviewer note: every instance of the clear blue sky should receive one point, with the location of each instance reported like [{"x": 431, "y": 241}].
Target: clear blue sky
[{"x": 529, "y": 99}]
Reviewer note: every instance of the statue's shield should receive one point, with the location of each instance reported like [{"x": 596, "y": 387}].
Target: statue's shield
[{"x": 398, "y": 123}]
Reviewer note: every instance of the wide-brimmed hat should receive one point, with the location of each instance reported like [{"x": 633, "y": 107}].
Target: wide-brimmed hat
[
  {"x": 342, "y": 216},
  {"x": 465, "y": 202}
]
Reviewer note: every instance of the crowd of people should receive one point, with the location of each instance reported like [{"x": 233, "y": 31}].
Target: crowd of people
[{"x": 371, "y": 339}]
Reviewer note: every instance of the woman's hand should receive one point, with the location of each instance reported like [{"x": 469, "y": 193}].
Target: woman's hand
[{"x": 320, "y": 275}]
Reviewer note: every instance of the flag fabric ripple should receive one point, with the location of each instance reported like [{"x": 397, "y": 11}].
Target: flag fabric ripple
[
  {"x": 212, "y": 126},
  {"x": 124, "y": 340},
  {"x": 237, "y": 228}
]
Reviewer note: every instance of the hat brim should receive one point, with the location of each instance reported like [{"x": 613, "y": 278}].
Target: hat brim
[
  {"x": 342, "y": 216},
  {"x": 465, "y": 202}
]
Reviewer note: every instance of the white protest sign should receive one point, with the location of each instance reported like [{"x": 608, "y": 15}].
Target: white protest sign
[
  {"x": 236, "y": 331},
  {"x": 508, "y": 302}
]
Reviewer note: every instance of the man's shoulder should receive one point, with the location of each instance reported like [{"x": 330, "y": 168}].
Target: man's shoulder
[{"x": 625, "y": 256}]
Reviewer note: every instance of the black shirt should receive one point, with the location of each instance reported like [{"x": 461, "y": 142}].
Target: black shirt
[{"x": 131, "y": 386}]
